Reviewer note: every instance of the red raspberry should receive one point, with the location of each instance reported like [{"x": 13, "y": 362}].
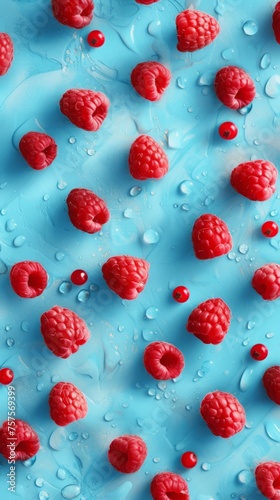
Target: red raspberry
[
  {"x": 163, "y": 361},
  {"x": 6, "y": 53},
  {"x": 126, "y": 275},
  {"x": 63, "y": 331},
  {"x": 67, "y": 403},
  {"x": 254, "y": 179},
  {"x": 150, "y": 79},
  {"x": 223, "y": 413},
  {"x": 147, "y": 159},
  {"x": 210, "y": 321},
  {"x": 266, "y": 281},
  {"x": 28, "y": 279},
  {"x": 127, "y": 453},
  {"x": 26, "y": 440},
  {"x": 234, "y": 87},
  {"x": 146, "y": 2},
  {"x": 73, "y": 13},
  {"x": 276, "y": 22},
  {"x": 39, "y": 150},
  {"x": 87, "y": 109},
  {"x": 211, "y": 237},
  {"x": 271, "y": 382},
  {"x": 167, "y": 485},
  {"x": 195, "y": 30},
  {"x": 86, "y": 210},
  {"x": 267, "y": 475}
]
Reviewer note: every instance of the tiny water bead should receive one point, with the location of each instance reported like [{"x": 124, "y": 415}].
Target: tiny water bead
[
  {"x": 269, "y": 229},
  {"x": 79, "y": 277},
  {"x": 189, "y": 459},
  {"x": 96, "y": 38},
  {"x": 250, "y": 27},
  {"x": 228, "y": 130},
  {"x": 6, "y": 376},
  {"x": 259, "y": 352},
  {"x": 181, "y": 294}
]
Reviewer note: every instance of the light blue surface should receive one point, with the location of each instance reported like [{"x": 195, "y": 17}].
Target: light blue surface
[{"x": 122, "y": 397}]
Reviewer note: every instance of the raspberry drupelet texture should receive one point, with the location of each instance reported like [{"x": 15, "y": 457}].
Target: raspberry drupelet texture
[
  {"x": 28, "y": 279},
  {"x": 211, "y": 237},
  {"x": 150, "y": 80},
  {"x": 63, "y": 331},
  {"x": 24, "y": 437},
  {"x": 234, "y": 87},
  {"x": 267, "y": 475},
  {"x": 210, "y": 321},
  {"x": 168, "y": 485},
  {"x": 126, "y": 275},
  {"x": 67, "y": 403},
  {"x": 6, "y": 53},
  {"x": 73, "y": 13},
  {"x": 87, "y": 109},
  {"x": 276, "y": 22},
  {"x": 147, "y": 159},
  {"x": 266, "y": 281},
  {"x": 163, "y": 360},
  {"x": 195, "y": 30},
  {"x": 86, "y": 210},
  {"x": 271, "y": 383},
  {"x": 38, "y": 149},
  {"x": 255, "y": 180},
  {"x": 223, "y": 413},
  {"x": 127, "y": 453}
]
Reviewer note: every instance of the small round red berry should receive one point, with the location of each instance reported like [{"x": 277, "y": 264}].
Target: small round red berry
[
  {"x": 189, "y": 459},
  {"x": 180, "y": 294},
  {"x": 228, "y": 130},
  {"x": 259, "y": 352},
  {"x": 96, "y": 38},
  {"x": 6, "y": 376},
  {"x": 270, "y": 229},
  {"x": 79, "y": 277}
]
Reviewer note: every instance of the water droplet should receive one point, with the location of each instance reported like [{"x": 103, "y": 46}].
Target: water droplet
[
  {"x": 65, "y": 287},
  {"x": 250, "y": 325},
  {"x": 151, "y": 392},
  {"x": 186, "y": 187},
  {"x": 265, "y": 61},
  {"x": 3, "y": 267},
  {"x": 220, "y": 7},
  {"x": 29, "y": 462},
  {"x": 148, "y": 335},
  {"x": 188, "y": 407},
  {"x": 11, "y": 225},
  {"x": 156, "y": 460},
  {"x": 243, "y": 248},
  {"x": 174, "y": 139},
  {"x": 19, "y": 241},
  {"x": 24, "y": 326},
  {"x": 3, "y": 185},
  {"x": 61, "y": 184},
  {"x": 40, "y": 387},
  {"x": 246, "y": 341},
  {"x": 228, "y": 54},
  {"x": 272, "y": 87},
  {"x": 54, "y": 379},
  {"x": 59, "y": 256},
  {"x": 186, "y": 207},
  {"x": 43, "y": 495},
  {"x": 150, "y": 236},
  {"x": 273, "y": 213},
  {"x": 58, "y": 439},
  {"x": 270, "y": 335},
  {"x": 73, "y": 436},
  {"x": 162, "y": 386},
  {"x": 207, "y": 78},
  {"x": 135, "y": 191},
  {"x": 46, "y": 197},
  {"x": 90, "y": 152},
  {"x": 83, "y": 296},
  {"x": 72, "y": 140},
  {"x": 209, "y": 200},
  {"x": 71, "y": 491},
  {"x": 250, "y": 27},
  {"x": 231, "y": 255},
  {"x": 244, "y": 476},
  {"x": 10, "y": 342},
  {"x": 8, "y": 328},
  {"x": 153, "y": 28},
  {"x": 39, "y": 482},
  {"x": 129, "y": 213},
  {"x": 181, "y": 82},
  {"x": 108, "y": 417},
  {"x": 151, "y": 312},
  {"x": 245, "y": 110},
  {"x": 206, "y": 466},
  {"x": 61, "y": 473},
  {"x": 85, "y": 435},
  {"x": 3, "y": 211},
  {"x": 246, "y": 379},
  {"x": 272, "y": 430}
]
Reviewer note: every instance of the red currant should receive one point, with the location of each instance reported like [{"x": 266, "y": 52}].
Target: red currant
[
  {"x": 269, "y": 229},
  {"x": 95, "y": 38},
  {"x": 6, "y": 376},
  {"x": 228, "y": 130},
  {"x": 189, "y": 459},
  {"x": 79, "y": 277},
  {"x": 180, "y": 294},
  {"x": 259, "y": 352}
]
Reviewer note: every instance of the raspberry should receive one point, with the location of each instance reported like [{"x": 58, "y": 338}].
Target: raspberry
[
  {"x": 254, "y": 179},
  {"x": 127, "y": 453},
  {"x": 87, "y": 109},
  {"x": 211, "y": 237},
  {"x": 266, "y": 281},
  {"x": 26, "y": 440},
  {"x": 39, "y": 150},
  {"x": 163, "y": 360},
  {"x": 67, "y": 403},
  {"x": 150, "y": 80},
  {"x": 73, "y": 13},
  {"x": 28, "y": 279},
  {"x": 63, "y": 331},
  {"x": 276, "y": 22},
  {"x": 86, "y": 210},
  {"x": 195, "y": 30},
  {"x": 271, "y": 382},
  {"x": 126, "y": 275},
  {"x": 210, "y": 321},
  {"x": 223, "y": 413},
  {"x": 234, "y": 87},
  {"x": 147, "y": 159},
  {"x": 167, "y": 485},
  {"x": 6, "y": 53},
  {"x": 267, "y": 475}
]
